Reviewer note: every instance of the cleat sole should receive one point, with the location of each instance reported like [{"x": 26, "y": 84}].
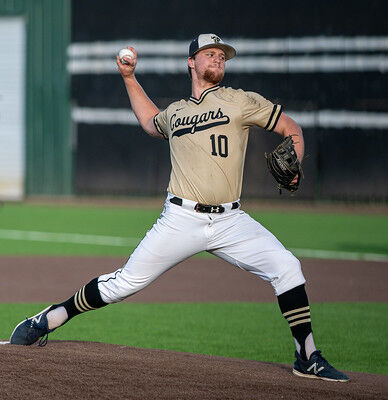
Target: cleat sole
[{"x": 312, "y": 376}]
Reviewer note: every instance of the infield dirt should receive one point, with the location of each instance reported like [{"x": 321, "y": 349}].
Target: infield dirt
[
  {"x": 85, "y": 370},
  {"x": 196, "y": 279},
  {"x": 82, "y": 370}
]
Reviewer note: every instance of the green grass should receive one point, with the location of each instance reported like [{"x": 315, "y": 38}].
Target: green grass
[
  {"x": 94, "y": 221},
  {"x": 353, "y": 336},
  {"x": 342, "y": 232}
]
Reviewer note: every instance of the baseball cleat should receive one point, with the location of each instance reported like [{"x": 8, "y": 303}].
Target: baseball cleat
[
  {"x": 317, "y": 368},
  {"x": 31, "y": 329}
]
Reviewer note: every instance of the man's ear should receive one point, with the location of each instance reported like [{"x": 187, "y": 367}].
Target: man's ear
[{"x": 190, "y": 62}]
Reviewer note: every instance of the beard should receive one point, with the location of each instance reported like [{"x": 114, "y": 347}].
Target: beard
[{"x": 213, "y": 76}]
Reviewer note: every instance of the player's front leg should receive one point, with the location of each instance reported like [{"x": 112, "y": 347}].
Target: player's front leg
[
  {"x": 173, "y": 238},
  {"x": 30, "y": 330}
]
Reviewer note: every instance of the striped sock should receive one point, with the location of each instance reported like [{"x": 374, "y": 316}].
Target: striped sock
[
  {"x": 86, "y": 299},
  {"x": 295, "y": 308},
  {"x": 298, "y": 316}
]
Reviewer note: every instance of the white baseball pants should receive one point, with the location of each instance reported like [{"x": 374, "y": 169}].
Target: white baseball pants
[{"x": 181, "y": 232}]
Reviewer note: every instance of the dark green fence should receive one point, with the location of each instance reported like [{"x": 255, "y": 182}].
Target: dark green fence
[{"x": 48, "y": 135}]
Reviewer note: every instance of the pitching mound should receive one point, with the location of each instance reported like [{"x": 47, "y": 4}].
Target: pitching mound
[{"x": 85, "y": 370}]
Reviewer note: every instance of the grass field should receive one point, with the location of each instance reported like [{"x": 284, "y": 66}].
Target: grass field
[
  {"x": 352, "y": 335},
  {"x": 334, "y": 232},
  {"x": 357, "y": 341}
]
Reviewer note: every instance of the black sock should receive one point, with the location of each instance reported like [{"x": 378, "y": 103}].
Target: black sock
[
  {"x": 86, "y": 299},
  {"x": 295, "y": 308}
]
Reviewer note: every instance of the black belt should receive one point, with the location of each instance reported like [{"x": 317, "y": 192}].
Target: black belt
[{"x": 204, "y": 208}]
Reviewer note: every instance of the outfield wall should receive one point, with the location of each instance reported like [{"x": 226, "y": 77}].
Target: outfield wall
[
  {"x": 36, "y": 149},
  {"x": 326, "y": 63}
]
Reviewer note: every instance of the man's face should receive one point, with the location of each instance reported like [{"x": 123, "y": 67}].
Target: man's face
[{"x": 209, "y": 64}]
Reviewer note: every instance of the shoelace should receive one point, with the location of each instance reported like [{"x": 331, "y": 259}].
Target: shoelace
[
  {"x": 322, "y": 360},
  {"x": 43, "y": 339}
]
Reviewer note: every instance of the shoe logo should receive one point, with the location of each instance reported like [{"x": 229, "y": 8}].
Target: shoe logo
[
  {"x": 315, "y": 368},
  {"x": 37, "y": 319}
]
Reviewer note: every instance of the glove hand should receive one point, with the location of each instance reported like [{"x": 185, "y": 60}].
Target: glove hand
[{"x": 284, "y": 165}]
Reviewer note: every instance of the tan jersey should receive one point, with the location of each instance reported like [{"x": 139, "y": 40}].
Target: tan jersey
[{"x": 208, "y": 140}]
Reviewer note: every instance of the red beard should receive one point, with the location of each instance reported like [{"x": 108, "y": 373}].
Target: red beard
[{"x": 213, "y": 76}]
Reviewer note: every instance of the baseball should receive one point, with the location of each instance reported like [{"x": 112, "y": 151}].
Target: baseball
[{"x": 126, "y": 53}]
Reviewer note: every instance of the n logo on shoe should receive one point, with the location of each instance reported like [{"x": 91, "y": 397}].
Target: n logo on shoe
[
  {"x": 37, "y": 319},
  {"x": 315, "y": 368}
]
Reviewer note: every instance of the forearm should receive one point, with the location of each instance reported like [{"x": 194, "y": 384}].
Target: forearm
[
  {"x": 297, "y": 138},
  {"x": 286, "y": 126},
  {"x": 141, "y": 104}
]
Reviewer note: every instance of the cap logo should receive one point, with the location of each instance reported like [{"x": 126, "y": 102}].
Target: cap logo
[{"x": 206, "y": 40}]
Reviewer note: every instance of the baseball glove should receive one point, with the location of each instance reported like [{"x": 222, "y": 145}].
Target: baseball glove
[{"x": 284, "y": 165}]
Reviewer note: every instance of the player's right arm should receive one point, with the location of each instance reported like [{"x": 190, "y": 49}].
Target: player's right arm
[{"x": 141, "y": 104}]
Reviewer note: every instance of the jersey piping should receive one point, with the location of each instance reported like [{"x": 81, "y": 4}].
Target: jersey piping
[
  {"x": 158, "y": 128},
  {"x": 274, "y": 117},
  {"x": 203, "y": 95}
]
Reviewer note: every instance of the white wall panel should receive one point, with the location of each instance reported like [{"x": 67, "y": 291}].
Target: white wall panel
[{"x": 12, "y": 115}]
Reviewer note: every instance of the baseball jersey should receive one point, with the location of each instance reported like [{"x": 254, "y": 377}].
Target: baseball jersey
[{"x": 208, "y": 139}]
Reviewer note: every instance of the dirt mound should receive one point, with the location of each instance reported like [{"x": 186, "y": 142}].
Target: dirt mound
[{"x": 85, "y": 370}]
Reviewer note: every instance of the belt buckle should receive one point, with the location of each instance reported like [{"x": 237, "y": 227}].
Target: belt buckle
[{"x": 199, "y": 207}]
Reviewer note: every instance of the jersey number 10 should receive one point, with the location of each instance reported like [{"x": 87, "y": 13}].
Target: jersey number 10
[{"x": 222, "y": 142}]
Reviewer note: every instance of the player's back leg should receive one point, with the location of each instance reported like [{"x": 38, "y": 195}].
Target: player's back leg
[{"x": 245, "y": 243}]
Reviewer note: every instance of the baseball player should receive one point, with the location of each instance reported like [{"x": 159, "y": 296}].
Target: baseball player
[{"x": 207, "y": 135}]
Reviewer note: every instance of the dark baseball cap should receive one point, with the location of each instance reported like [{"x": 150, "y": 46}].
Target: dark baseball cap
[{"x": 208, "y": 40}]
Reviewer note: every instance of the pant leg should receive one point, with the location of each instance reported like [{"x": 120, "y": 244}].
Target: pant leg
[
  {"x": 245, "y": 243},
  {"x": 175, "y": 236}
]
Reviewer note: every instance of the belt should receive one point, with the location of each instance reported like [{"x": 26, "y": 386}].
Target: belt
[{"x": 205, "y": 208}]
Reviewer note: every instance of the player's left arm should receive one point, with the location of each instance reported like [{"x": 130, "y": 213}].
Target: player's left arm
[{"x": 286, "y": 126}]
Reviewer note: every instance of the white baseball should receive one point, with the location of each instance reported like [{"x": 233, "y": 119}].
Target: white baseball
[{"x": 126, "y": 53}]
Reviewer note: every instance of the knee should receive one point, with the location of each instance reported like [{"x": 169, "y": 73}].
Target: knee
[
  {"x": 289, "y": 273},
  {"x": 119, "y": 285}
]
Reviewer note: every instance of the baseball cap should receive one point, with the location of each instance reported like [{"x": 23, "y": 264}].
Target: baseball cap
[{"x": 207, "y": 40}]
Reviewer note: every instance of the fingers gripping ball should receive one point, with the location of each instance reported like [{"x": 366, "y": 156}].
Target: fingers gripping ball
[
  {"x": 126, "y": 53},
  {"x": 284, "y": 165}
]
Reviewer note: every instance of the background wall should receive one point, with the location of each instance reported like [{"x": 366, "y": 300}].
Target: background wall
[
  {"x": 48, "y": 153},
  {"x": 12, "y": 100},
  {"x": 325, "y": 63}
]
